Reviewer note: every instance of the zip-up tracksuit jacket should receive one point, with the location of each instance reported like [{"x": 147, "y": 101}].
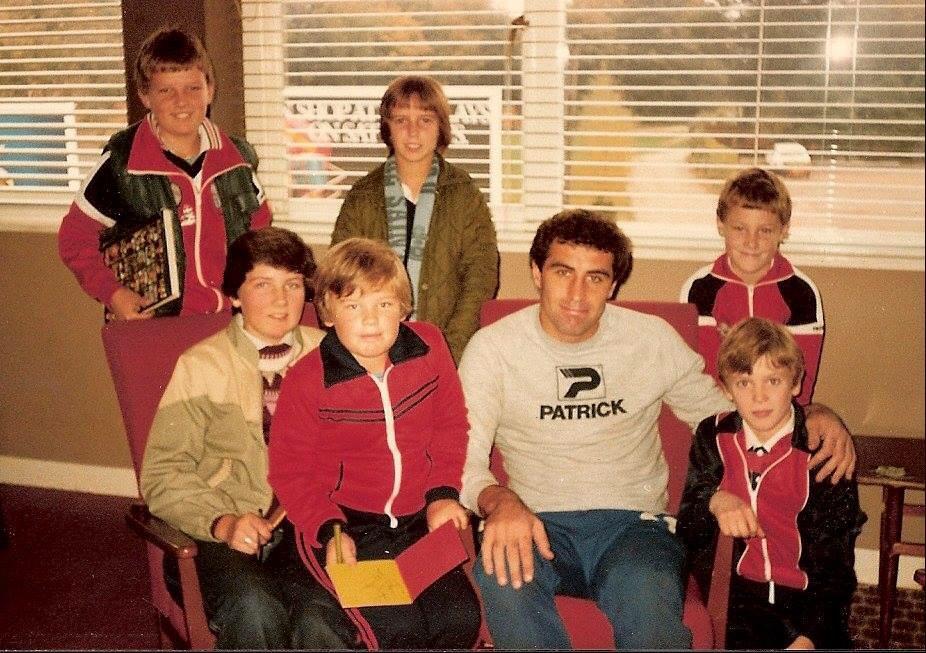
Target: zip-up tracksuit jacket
[
  {"x": 134, "y": 180},
  {"x": 371, "y": 453},
  {"x": 798, "y": 579},
  {"x": 342, "y": 437},
  {"x": 785, "y": 295}
]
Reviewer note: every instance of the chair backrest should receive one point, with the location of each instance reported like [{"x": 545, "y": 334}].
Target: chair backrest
[
  {"x": 142, "y": 355},
  {"x": 675, "y": 435}
]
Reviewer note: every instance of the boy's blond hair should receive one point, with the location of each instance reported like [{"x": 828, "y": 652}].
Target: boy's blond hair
[
  {"x": 755, "y": 188},
  {"x": 754, "y": 338},
  {"x": 170, "y": 49},
  {"x": 360, "y": 263}
]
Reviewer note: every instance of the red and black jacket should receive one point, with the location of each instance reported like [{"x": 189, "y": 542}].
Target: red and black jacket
[
  {"x": 342, "y": 439},
  {"x": 213, "y": 201},
  {"x": 784, "y": 295},
  {"x": 810, "y": 527},
  {"x": 343, "y": 442}
]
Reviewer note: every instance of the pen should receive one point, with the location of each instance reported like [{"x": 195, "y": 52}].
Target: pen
[
  {"x": 337, "y": 543},
  {"x": 260, "y": 547}
]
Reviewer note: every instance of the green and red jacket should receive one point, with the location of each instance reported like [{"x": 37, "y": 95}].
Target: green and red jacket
[{"x": 134, "y": 180}]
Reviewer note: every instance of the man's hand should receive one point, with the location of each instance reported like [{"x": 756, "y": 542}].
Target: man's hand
[
  {"x": 443, "y": 510},
  {"x": 348, "y": 550},
  {"x": 511, "y": 531},
  {"x": 245, "y": 533},
  {"x": 734, "y": 516},
  {"x": 826, "y": 431},
  {"x": 127, "y": 304}
]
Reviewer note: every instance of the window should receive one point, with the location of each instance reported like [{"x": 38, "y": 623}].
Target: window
[
  {"x": 637, "y": 109},
  {"x": 62, "y": 93}
]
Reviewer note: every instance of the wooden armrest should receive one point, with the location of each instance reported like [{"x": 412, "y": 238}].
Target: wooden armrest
[
  {"x": 172, "y": 541},
  {"x": 179, "y": 545},
  {"x": 719, "y": 597}
]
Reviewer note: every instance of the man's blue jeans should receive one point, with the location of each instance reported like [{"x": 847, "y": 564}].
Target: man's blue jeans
[{"x": 630, "y": 566}]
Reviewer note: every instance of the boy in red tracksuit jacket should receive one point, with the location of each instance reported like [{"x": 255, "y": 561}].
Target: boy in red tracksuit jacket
[
  {"x": 174, "y": 159},
  {"x": 370, "y": 433},
  {"x": 752, "y": 278},
  {"x": 748, "y": 478}
]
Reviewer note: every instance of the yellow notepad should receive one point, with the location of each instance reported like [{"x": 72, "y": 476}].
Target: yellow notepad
[
  {"x": 369, "y": 582},
  {"x": 399, "y": 581}
]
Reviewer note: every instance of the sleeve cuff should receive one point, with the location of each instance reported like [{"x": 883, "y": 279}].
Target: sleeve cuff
[{"x": 441, "y": 492}]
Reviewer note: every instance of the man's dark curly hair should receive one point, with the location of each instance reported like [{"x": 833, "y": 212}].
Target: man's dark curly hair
[{"x": 583, "y": 227}]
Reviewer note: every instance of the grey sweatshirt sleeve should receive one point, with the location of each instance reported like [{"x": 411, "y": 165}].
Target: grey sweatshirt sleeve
[{"x": 480, "y": 375}]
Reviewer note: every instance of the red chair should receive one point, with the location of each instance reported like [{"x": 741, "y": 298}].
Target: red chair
[
  {"x": 141, "y": 356},
  {"x": 586, "y": 625}
]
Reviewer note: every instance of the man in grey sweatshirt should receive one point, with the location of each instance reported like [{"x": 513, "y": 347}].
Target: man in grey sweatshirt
[{"x": 583, "y": 509}]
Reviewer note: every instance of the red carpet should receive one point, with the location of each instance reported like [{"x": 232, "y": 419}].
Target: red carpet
[{"x": 72, "y": 576}]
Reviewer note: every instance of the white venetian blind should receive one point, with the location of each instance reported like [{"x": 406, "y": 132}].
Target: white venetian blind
[
  {"x": 62, "y": 93},
  {"x": 638, "y": 109},
  {"x": 338, "y": 56},
  {"x": 665, "y": 100}
]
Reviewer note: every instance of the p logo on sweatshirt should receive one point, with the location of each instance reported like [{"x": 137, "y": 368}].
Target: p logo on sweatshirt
[{"x": 579, "y": 382}]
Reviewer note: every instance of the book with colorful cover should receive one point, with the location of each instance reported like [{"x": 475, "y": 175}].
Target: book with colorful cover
[{"x": 145, "y": 261}]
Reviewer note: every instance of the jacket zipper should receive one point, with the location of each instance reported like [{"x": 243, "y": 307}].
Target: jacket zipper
[{"x": 383, "y": 387}]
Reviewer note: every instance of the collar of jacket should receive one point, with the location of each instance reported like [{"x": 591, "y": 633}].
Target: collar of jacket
[
  {"x": 781, "y": 269},
  {"x": 245, "y": 348},
  {"x": 449, "y": 175},
  {"x": 146, "y": 155},
  {"x": 339, "y": 365},
  {"x": 733, "y": 422}
]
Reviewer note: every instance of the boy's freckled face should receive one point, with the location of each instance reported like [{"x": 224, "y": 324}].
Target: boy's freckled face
[
  {"x": 763, "y": 397},
  {"x": 367, "y": 324},
  {"x": 752, "y": 237}
]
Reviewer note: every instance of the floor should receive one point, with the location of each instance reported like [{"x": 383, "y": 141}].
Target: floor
[{"x": 74, "y": 577}]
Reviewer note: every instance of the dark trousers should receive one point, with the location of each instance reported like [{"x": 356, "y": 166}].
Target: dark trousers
[
  {"x": 274, "y": 604},
  {"x": 755, "y": 623},
  {"x": 444, "y": 616}
]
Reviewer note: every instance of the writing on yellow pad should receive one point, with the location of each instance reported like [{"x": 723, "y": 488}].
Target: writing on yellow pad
[
  {"x": 369, "y": 582},
  {"x": 399, "y": 581}
]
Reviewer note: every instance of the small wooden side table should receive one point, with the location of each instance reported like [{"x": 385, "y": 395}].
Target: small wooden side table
[{"x": 910, "y": 454}]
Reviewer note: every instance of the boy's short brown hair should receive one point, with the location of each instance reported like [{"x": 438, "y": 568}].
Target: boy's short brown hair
[
  {"x": 755, "y": 188},
  {"x": 431, "y": 97},
  {"x": 360, "y": 263},
  {"x": 590, "y": 229},
  {"x": 754, "y": 338},
  {"x": 170, "y": 49}
]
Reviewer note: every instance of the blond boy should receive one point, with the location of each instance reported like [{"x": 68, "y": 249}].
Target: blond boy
[{"x": 370, "y": 434}]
